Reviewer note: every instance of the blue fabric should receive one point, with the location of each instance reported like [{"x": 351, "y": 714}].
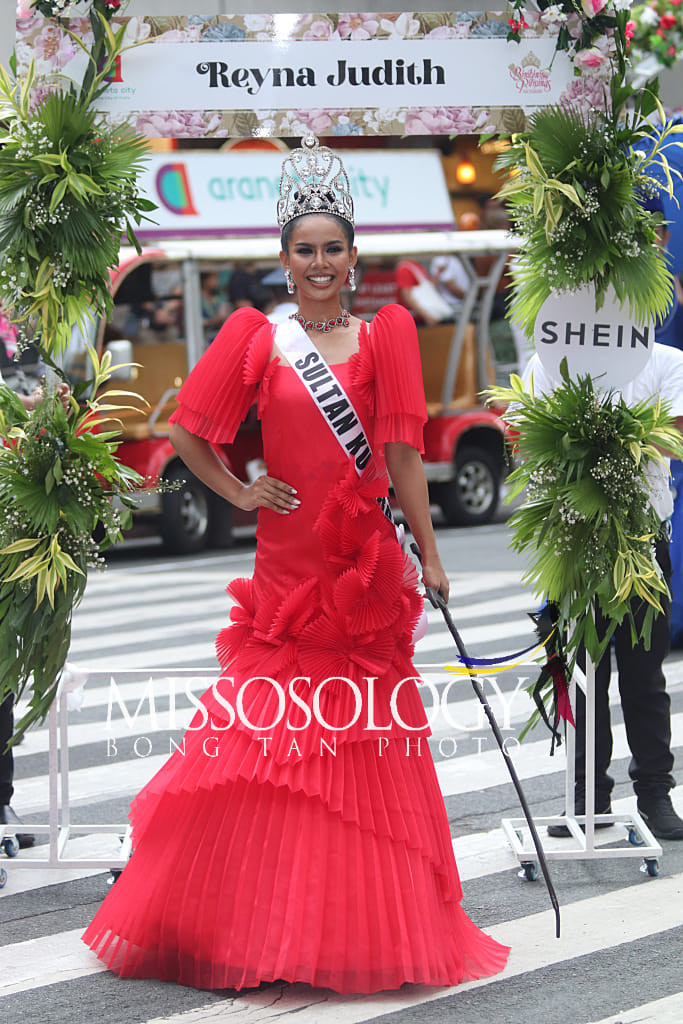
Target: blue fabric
[
  {"x": 670, "y": 331},
  {"x": 677, "y": 556}
]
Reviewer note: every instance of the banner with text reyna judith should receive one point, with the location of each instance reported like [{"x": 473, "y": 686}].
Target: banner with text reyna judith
[{"x": 337, "y": 74}]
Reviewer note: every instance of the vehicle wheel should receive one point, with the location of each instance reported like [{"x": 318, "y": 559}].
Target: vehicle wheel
[
  {"x": 185, "y": 513},
  {"x": 220, "y": 523},
  {"x": 472, "y": 496}
]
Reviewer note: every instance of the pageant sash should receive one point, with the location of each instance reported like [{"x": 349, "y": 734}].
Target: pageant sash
[
  {"x": 336, "y": 408},
  {"x": 328, "y": 394}
]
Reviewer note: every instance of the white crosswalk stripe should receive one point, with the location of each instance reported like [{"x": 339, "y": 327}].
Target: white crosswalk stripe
[{"x": 165, "y": 616}]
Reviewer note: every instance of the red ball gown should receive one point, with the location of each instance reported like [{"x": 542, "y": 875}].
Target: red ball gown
[{"x": 300, "y": 833}]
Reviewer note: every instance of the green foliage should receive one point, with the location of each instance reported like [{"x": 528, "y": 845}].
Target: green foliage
[
  {"x": 58, "y": 481},
  {"x": 586, "y": 524},
  {"x": 68, "y": 190},
  {"x": 576, "y": 200}
]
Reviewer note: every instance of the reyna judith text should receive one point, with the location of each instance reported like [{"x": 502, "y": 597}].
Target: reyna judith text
[{"x": 387, "y": 72}]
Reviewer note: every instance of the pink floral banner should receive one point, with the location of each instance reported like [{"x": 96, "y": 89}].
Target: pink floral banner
[{"x": 270, "y": 74}]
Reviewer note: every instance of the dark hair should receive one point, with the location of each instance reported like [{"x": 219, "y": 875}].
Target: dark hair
[{"x": 345, "y": 225}]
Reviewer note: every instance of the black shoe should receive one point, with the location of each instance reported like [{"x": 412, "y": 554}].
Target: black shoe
[
  {"x": 8, "y": 817},
  {"x": 660, "y": 817},
  {"x": 601, "y": 807}
]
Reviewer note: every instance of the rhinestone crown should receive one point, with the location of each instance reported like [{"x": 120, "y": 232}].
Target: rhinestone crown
[{"x": 313, "y": 181}]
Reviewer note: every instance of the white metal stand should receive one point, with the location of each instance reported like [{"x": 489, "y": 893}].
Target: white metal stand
[
  {"x": 581, "y": 844},
  {"x": 60, "y": 828}
]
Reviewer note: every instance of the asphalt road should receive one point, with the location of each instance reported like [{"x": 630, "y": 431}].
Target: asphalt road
[{"x": 622, "y": 935}]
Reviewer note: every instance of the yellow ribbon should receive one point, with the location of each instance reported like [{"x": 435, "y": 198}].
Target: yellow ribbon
[{"x": 467, "y": 670}]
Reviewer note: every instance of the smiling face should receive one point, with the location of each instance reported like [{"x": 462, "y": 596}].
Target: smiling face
[{"x": 318, "y": 257}]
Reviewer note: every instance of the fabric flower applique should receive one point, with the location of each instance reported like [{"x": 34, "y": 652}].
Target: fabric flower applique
[
  {"x": 353, "y": 495},
  {"x": 347, "y": 541},
  {"x": 367, "y": 595},
  {"x": 233, "y": 637},
  {"x": 326, "y": 650},
  {"x": 269, "y": 621},
  {"x": 283, "y": 629}
]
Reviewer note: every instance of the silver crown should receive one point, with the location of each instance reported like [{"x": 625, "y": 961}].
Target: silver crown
[{"x": 313, "y": 181}]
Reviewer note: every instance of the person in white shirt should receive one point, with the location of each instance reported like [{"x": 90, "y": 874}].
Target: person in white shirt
[
  {"x": 642, "y": 685},
  {"x": 451, "y": 280}
]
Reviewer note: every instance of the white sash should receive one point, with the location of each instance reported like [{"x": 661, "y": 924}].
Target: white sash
[
  {"x": 336, "y": 408},
  {"x": 334, "y": 404}
]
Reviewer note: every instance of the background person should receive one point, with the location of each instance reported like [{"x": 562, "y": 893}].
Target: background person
[
  {"x": 215, "y": 307},
  {"x": 244, "y": 287},
  {"x": 451, "y": 280},
  {"x": 418, "y": 293},
  {"x": 642, "y": 685}
]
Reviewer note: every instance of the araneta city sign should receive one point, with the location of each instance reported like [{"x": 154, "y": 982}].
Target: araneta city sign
[{"x": 209, "y": 194}]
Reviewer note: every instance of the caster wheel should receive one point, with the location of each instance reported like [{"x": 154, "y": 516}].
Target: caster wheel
[
  {"x": 3, "y": 878},
  {"x": 113, "y": 875},
  {"x": 634, "y": 838},
  {"x": 528, "y": 872},
  {"x": 10, "y": 845},
  {"x": 650, "y": 866}
]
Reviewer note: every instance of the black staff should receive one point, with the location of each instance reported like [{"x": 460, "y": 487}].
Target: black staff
[{"x": 438, "y": 602}]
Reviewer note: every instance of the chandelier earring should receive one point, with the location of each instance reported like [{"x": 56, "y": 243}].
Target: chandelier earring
[
  {"x": 290, "y": 282},
  {"x": 352, "y": 278}
]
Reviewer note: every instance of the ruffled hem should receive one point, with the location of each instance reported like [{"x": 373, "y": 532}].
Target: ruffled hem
[
  {"x": 384, "y": 786},
  {"x": 251, "y": 883}
]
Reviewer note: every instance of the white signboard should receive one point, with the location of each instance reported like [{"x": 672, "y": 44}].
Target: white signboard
[
  {"x": 431, "y": 73},
  {"x": 393, "y": 72},
  {"x": 605, "y": 344},
  {"x": 205, "y": 194}
]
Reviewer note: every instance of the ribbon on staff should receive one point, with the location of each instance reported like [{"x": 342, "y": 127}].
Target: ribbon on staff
[{"x": 482, "y": 666}]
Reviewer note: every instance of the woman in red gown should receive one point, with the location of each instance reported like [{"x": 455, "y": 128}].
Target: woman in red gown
[{"x": 299, "y": 833}]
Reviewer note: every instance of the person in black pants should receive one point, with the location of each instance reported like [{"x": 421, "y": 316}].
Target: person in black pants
[
  {"x": 647, "y": 718},
  {"x": 642, "y": 685},
  {"x": 7, "y": 815}
]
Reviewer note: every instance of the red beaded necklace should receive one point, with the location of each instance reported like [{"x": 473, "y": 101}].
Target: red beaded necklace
[{"x": 322, "y": 325}]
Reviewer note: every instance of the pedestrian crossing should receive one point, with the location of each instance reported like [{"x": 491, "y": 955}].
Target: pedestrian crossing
[{"x": 146, "y": 619}]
